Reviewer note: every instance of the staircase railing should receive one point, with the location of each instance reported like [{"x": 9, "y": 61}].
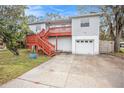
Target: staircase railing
[
  {"x": 44, "y": 35},
  {"x": 46, "y": 47}
]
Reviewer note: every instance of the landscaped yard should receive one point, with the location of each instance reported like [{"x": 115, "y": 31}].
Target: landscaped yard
[{"x": 13, "y": 66}]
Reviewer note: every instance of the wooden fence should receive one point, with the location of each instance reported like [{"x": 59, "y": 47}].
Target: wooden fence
[{"x": 106, "y": 46}]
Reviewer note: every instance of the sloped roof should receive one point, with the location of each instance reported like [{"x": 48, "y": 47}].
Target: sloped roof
[
  {"x": 87, "y": 15},
  {"x": 52, "y": 21}
]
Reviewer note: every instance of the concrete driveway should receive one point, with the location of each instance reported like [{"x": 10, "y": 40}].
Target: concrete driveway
[{"x": 67, "y": 70}]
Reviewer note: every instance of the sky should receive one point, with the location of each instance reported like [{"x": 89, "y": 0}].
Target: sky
[{"x": 65, "y": 10}]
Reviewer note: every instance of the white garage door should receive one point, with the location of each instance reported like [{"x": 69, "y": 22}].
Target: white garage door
[
  {"x": 84, "y": 47},
  {"x": 64, "y": 43}
]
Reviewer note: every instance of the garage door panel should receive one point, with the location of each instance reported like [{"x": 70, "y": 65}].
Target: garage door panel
[{"x": 84, "y": 46}]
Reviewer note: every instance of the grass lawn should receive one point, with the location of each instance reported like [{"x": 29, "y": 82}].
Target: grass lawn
[
  {"x": 13, "y": 66},
  {"x": 120, "y": 54},
  {"x": 122, "y": 50}
]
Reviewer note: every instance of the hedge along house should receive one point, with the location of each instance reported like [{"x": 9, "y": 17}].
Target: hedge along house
[{"x": 79, "y": 35}]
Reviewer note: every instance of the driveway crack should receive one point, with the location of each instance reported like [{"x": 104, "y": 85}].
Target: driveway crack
[{"x": 37, "y": 82}]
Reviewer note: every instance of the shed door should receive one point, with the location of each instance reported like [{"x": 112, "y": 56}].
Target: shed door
[{"x": 84, "y": 47}]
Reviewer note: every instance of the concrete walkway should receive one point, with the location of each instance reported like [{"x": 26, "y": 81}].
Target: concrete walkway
[{"x": 67, "y": 70}]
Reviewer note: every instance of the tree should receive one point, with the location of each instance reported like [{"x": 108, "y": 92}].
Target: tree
[
  {"x": 13, "y": 26},
  {"x": 114, "y": 19},
  {"x": 32, "y": 18},
  {"x": 86, "y": 9},
  {"x": 54, "y": 16}
]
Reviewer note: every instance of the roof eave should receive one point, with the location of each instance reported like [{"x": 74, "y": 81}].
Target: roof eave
[{"x": 87, "y": 15}]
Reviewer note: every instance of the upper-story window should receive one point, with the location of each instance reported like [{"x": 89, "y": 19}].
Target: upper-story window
[{"x": 85, "y": 23}]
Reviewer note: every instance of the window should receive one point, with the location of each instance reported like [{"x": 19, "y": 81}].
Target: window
[
  {"x": 82, "y": 41},
  {"x": 86, "y": 41},
  {"x": 78, "y": 41},
  {"x": 85, "y": 22},
  {"x": 90, "y": 41}
]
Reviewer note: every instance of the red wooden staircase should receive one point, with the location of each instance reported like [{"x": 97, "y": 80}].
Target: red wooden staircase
[{"x": 40, "y": 40}]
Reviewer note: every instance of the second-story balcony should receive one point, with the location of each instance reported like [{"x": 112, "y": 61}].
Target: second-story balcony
[{"x": 60, "y": 31}]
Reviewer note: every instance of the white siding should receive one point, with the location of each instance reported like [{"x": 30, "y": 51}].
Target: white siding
[
  {"x": 64, "y": 43},
  {"x": 37, "y": 27},
  {"x": 92, "y": 30},
  {"x": 43, "y": 26},
  {"x": 32, "y": 27}
]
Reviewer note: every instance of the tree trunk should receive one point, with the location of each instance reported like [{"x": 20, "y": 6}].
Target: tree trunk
[
  {"x": 111, "y": 32},
  {"x": 117, "y": 43}
]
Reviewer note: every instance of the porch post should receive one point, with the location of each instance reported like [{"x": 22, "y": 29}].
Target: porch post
[{"x": 56, "y": 43}]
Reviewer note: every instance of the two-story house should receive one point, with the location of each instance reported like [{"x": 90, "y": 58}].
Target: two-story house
[{"x": 79, "y": 34}]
